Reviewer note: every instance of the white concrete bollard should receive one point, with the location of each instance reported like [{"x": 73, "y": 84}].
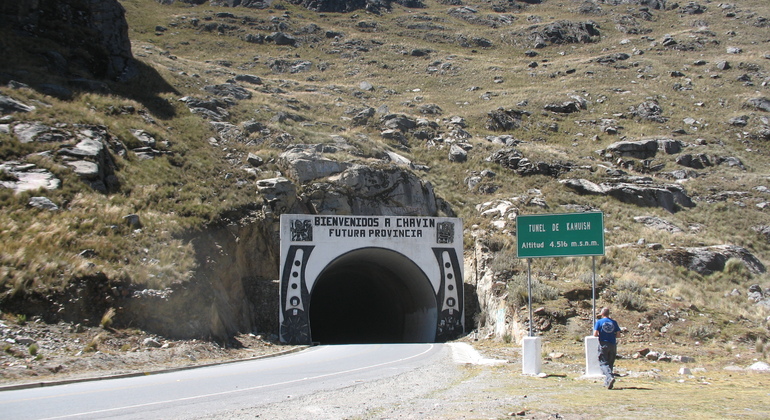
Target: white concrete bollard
[
  {"x": 592, "y": 357},
  {"x": 531, "y": 361}
]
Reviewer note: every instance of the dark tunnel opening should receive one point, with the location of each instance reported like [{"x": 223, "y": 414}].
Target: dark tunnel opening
[{"x": 372, "y": 295}]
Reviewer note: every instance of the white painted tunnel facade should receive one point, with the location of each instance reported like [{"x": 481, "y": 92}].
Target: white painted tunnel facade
[{"x": 352, "y": 279}]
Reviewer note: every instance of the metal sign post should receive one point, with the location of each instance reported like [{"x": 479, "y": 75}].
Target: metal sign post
[
  {"x": 593, "y": 290},
  {"x": 529, "y": 294}
]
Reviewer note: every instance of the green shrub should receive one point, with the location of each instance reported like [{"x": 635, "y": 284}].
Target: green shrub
[
  {"x": 630, "y": 300},
  {"x": 518, "y": 291},
  {"x": 702, "y": 332}
]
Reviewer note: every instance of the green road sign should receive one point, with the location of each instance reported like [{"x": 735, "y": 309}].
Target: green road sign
[{"x": 560, "y": 235}]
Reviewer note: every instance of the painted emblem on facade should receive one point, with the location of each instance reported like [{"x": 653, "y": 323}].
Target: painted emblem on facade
[
  {"x": 445, "y": 232},
  {"x": 301, "y": 231}
]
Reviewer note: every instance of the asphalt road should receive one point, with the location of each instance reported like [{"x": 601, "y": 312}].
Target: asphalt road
[{"x": 219, "y": 389}]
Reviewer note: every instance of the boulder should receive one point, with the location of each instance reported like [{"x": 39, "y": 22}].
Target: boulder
[
  {"x": 457, "y": 154},
  {"x": 43, "y": 203},
  {"x": 9, "y": 105},
  {"x": 698, "y": 161},
  {"x": 504, "y": 119},
  {"x": 649, "y": 110},
  {"x": 254, "y": 160},
  {"x": 248, "y": 78},
  {"x": 280, "y": 38},
  {"x": 363, "y": 116},
  {"x": 762, "y": 104},
  {"x": 228, "y": 132},
  {"x": 669, "y": 197},
  {"x": 763, "y": 230},
  {"x": 730, "y": 161},
  {"x": 345, "y": 6},
  {"x": 146, "y": 138},
  {"x": 398, "y": 122},
  {"x": 398, "y": 159},
  {"x": 567, "y": 107},
  {"x": 643, "y": 149}
]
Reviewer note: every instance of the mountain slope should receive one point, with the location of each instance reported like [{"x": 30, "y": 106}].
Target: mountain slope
[{"x": 652, "y": 112}]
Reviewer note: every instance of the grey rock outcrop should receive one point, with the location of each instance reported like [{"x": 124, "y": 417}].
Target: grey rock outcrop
[
  {"x": 762, "y": 104},
  {"x": 658, "y": 223},
  {"x": 334, "y": 6},
  {"x": 212, "y": 109},
  {"x": 558, "y": 33},
  {"x": 279, "y": 195},
  {"x": 670, "y": 197},
  {"x": 90, "y": 159},
  {"x": 306, "y": 163},
  {"x": 365, "y": 190},
  {"x": 86, "y": 149},
  {"x": 27, "y": 177},
  {"x": 107, "y": 54},
  {"x": 228, "y": 90},
  {"x": 513, "y": 159},
  {"x": 33, "y": 131},
  {"x": 707, "y": 260}
]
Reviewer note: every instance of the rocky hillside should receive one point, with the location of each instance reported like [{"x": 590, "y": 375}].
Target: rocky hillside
[{"x": 142, "y": 186}]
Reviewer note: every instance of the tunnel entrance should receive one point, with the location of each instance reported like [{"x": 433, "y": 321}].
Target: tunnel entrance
[
  {"x": 372, "y": 295},
  {"x": 364, "y": 279}
]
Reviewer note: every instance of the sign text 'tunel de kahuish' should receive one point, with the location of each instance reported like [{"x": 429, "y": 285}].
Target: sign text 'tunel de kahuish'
[{"x": 560, "y": 235}]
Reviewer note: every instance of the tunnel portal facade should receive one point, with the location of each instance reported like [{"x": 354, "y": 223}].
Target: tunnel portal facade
[{"x": 366, "y": 279}]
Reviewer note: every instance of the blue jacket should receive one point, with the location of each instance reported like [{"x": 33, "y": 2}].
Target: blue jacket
[{"x": 607, "y": 328}]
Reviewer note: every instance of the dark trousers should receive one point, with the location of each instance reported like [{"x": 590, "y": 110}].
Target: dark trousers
[{"x": 607, "y": 353}]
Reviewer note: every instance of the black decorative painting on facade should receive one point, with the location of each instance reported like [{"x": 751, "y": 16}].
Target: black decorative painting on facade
[
  {"x": 295, "y": 327},
  {"x": 450, "y": 295}
]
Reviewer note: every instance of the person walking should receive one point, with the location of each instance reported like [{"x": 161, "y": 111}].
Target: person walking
[{"x": 607, "y": 330}]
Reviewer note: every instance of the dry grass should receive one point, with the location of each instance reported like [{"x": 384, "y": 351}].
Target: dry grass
[{"x": 644, "y": 389}]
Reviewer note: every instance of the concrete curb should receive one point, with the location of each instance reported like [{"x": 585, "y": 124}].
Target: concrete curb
[{"x": 135, "y": 374}]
